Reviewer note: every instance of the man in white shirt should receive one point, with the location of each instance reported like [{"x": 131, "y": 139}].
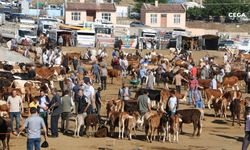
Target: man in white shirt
[
  {"x": 214, "y": 83},
  {"x": 172, "y": 104},
  {"x": 15, "y": 105},
  {"x": 225, "y": 58},
  {"x": 89, "y": 92},
  {"x": 227, "y": 68}
]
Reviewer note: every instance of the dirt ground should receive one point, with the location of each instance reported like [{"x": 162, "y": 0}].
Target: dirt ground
[{"x": 217, "y": 134}]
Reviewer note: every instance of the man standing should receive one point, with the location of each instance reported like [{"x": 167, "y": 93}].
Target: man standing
[
  {"x": 56, "y": 110},
  {"x": 96, "y": 72},
  {"x": 15, "y": 106},
  {"x": 144, "y": 103},
  {"x": 83, "y": 104},
  {"x": 104, "y": 74},
  {"x": 98, "y": 100},
  {"x": 33, "y": 126},
  {"x": 246, "y": 140},
  {"x": 67, "y": 104},
  {"x": 43, "y": 105},
  {"x": 172, "y": 104},
  {"x": 142, "y": 74},
  {"x": 89, "y": 92},
  {"x": 177, "y": 79},
  {"x": 225, "y": 58},
  {"x": 213, "y": 83},
  {"x": 75, "y": 63},
  {"x": 192, "y": 85},
  {"x": 150, "y": 82},
  {"x": 227, "y": 68},
  {"x": 75, "y": 90}
]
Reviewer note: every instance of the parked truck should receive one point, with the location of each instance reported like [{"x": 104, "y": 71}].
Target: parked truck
[{"x": 20, "y": 31}]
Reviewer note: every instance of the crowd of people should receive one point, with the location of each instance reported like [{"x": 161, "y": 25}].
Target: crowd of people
[{"x": 78, "y": 95}]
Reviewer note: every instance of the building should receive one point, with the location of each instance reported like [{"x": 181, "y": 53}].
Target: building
[
  {"x": 164, "y": 15},
  {"x": 77, "y": 13}
]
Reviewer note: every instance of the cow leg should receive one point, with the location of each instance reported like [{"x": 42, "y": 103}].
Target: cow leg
[
  {"x": 181, "y": 128},
  {"x": 233, "y": 115},
  {"x": 177, "y": 135},
  {"x": 154, "y": 134},
  {"x": 8, "y": 141},
  {"x": 238, "y": 118},
  {"x": 76, "y": 127},
  {"x": 4, "y": 144},
  {"x": 123, "y": 128},
  {"x": 195, "y": 127},
  {"x": 209, "y": 103}
]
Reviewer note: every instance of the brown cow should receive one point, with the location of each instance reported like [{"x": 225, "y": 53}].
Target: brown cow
[
  {"x": 211, "y": 94},
  {"x": 47, "y": 73},
  {"x": 152, "y": 125},
  {"x": 235, "y": 109},
  {"x": 113, "y": 121},
  {"x": 130, "y": 124},
  {"x": 113, "y": 73},
  {"x": 230, "y": 81}
]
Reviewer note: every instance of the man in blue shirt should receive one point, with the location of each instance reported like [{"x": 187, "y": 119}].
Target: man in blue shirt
[
  {"x": 96, "y": 71},
  {"x": 33, "y": 126},
  {"x": 142, "y": 74}
]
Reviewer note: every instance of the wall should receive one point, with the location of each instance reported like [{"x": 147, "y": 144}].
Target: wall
[
  {"x": 148, "y": 20},
  {"x": 121, "y": 11},
  {"x": 170, "y": 20},
  {"x": 113, "y": 16},
  {"x": 68, "y": 18}
]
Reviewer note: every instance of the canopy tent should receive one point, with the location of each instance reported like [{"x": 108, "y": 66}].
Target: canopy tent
[{"x": 210, "y": 42}]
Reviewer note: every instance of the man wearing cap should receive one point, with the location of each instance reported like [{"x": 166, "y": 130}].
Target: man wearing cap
[
  {"x": 33, "y": 126},
  {"x": 192, "y": 85},
  {"x": 89, "y": 92}
]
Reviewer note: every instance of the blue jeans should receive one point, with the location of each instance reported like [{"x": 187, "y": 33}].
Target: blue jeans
[
  {"x": 33, "y": 142},
  {"x": 15, "y": 115},
  {"x": 190, "y": 96}
]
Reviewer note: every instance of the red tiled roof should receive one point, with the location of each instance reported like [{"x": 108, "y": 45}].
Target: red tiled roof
[
  {"x": 166, "y": 8},
  {"x": 91, "y": 6}
]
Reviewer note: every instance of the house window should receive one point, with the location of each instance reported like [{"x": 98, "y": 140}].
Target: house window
[
  {"x": 177, "y": 19},
  {"x": 106, "y": 16},
  {"x": 153, "y": 18},
  {"x": 76, "y": 16}
]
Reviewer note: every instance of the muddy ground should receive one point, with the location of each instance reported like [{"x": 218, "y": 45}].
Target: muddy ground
[{"x": 217, "y": 134}]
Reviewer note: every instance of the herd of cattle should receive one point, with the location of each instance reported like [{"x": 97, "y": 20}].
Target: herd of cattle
[{"x": 125, "y": 116}]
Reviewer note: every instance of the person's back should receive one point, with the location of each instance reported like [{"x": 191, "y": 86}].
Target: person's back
[
  {"x": 143, "y": 101},
  {"x": 66, "y": 103},
  {"x": 33, "y": 125}
]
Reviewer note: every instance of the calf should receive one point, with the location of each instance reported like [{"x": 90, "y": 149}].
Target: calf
[
  {"x": 122, "y": 117},
  {"x": 131, "y": 123},
  {"x": 79, "y": 121},
  {"x": 212, "y": 94},
  {"x": 4, "y": 132},
  {"x": 102, "y": 131},
  {"x": 174, "y": 128},
  {"x": 230, "y": 81},
  {"x": 114, "y": 105},
  {"x": 113, "y": 73},
  {"x": 235, "y": 109},
  {"x": 91, "y": 120},
  {"x": 152, "y": 125},
  {"x": 113, "y": 121},
  {"x": 191, "y": 116}
]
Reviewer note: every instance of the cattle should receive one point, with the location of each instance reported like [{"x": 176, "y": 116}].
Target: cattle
[
  {"x": 7, "y": 75},
  {"x": 114, "y": 105},
  {"x": 7, "y": 67},
  {"x": 230, "y": 81},
  {"x": 4, "y": 110},
  {"x": 122, "y": 117},
  {"x": 130, "y": 105},
  {"x": 206, "y": 83},
  {"x": 113, "y": 73},
  {"x": 79, "y": 121},
  {"x": 152, "y": 125},
  {"x": 102, "y": 131},
  {"x": 174, "y": 128},
  {"x": 211, "y": 94},
  {"x": 191, "y": 116},
  {"x": 154, "y": 95},
  {"x": 5, "y": 132},
  {"x": 164, "y": 126},
  {"x": 235, "y": 109},
  {"x": 46, "y": 73},
  {"x": 91, "y": 120},
  {"x": 4, "y": 83},
  {"x": 181, "y": 63},
  {"x": 113, "y": 121},
  {"x": 130, "y": 124}
]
